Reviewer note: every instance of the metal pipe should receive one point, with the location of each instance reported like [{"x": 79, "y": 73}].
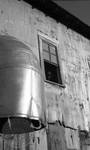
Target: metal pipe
[{"x": 22, "y": 105}]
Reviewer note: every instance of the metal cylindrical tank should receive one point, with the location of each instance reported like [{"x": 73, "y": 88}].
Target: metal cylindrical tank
[{"x": 22, "y": 105}]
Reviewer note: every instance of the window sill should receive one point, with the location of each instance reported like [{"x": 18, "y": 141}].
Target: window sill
[{"x": 55, "y": 84}]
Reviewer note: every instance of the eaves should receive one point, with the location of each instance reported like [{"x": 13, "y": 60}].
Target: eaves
[{"x": 61, "y": 15}]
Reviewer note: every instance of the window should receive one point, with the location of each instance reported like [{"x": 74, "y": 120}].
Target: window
[{"x": 50, "y": 61}]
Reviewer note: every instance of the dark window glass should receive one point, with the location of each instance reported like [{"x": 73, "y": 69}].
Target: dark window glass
[
  {"x": 52, "y": 73},
  {"x": 51, "y": 65}
]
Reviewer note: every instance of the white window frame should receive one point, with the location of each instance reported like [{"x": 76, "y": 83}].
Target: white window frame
[{"x": 54, "y": 42}]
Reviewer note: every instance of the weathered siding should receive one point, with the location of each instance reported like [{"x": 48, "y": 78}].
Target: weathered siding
[
  {"x": 28, "y": 141},
  {"x": 70, "y": 106}
]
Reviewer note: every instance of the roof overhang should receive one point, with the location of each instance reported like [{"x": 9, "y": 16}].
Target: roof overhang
[{"x": 61, "y": 15}]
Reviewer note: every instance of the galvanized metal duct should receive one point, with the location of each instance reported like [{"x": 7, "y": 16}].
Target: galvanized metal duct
[{"x": 22, "y": 106}]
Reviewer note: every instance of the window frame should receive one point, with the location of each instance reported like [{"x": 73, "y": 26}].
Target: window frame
[
  {"x": 51, "y": 54},
  {"x": 42, "y": 37}
]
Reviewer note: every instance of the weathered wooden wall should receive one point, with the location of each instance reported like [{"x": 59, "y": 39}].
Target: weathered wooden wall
[
  {"x": 68, "y": 109},
  {"x": 28, "y": 141}
]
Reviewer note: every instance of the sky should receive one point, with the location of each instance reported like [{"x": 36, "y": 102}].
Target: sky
[{"x": 79, "y": 8}]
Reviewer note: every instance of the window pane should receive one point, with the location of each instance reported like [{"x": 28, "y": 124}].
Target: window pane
[
  {"x": 53, "y": 59},
  {"x": 46, "y": 55},
  {"x": 52, "y": 49},
  {"x": 52, "y": 73},
  {"x": 45, "y": 45}
]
